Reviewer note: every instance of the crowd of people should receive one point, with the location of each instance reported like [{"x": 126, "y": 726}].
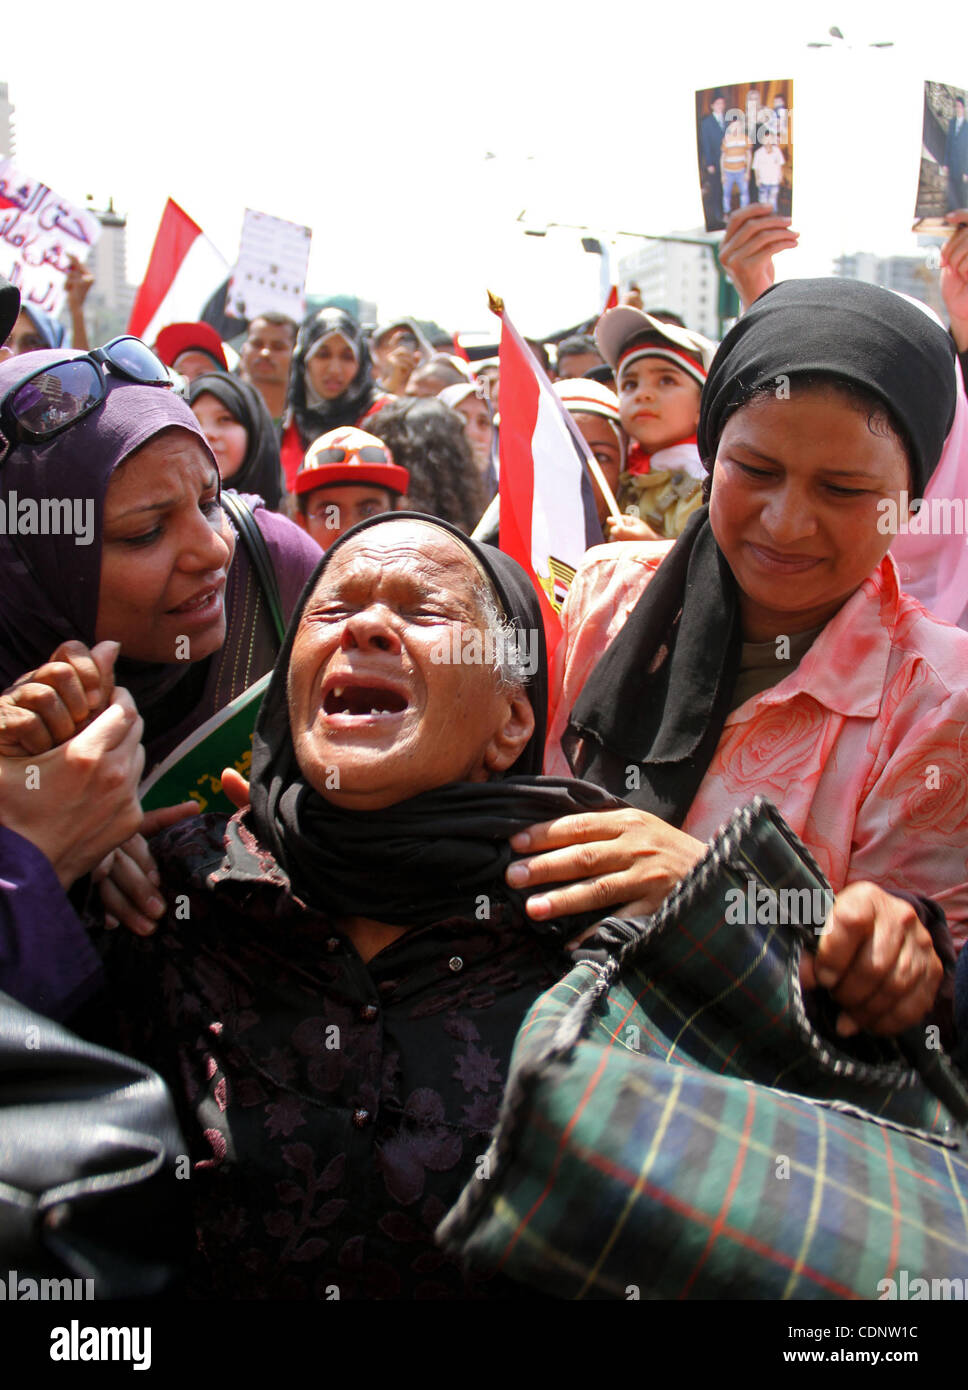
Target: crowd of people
[{"x": 330, "y": 981}]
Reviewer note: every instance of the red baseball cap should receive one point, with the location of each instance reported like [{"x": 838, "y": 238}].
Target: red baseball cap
[
  {"x": 349, "y": 455},
  {"x": 176, "y": 338}
]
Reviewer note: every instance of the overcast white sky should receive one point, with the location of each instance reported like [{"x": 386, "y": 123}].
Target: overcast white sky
[{"x": 370, "y": 123}]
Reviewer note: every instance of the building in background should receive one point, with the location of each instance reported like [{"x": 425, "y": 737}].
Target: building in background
[
  {"x": 911, "y": 275},
  {"x": 7, "y": 138},
  {"x": 108, "y": 306},
  {"x": 678, "y": 276},
  {"x": 362, "y": 310}
]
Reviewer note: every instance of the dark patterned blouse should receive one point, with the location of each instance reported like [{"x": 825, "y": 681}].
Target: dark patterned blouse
[{"x": 333, "y": 1109}]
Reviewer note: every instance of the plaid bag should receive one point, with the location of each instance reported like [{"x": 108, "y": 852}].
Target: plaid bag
[{"x": 675, "y": 1125}]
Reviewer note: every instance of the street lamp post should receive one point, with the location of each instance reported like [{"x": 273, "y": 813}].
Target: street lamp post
[
  {"x": 836, "y": 33},
  {"x": 728, "y": 300}
]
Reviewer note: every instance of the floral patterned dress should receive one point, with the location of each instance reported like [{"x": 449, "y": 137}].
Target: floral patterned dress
[{"x": 333, "y": 1109}]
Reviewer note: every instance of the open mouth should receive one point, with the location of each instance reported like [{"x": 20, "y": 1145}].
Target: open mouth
[
  {"x": 360, "y": 700},
  {"x": 200, "y": 603}
]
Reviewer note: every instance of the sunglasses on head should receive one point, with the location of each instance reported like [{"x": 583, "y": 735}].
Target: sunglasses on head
[
  {"x": 369, "y": 453},
  {"x": 55, "y": 397}
]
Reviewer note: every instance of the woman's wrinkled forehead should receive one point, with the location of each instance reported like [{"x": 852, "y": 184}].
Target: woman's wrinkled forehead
[{"x": 406, "y": 542}]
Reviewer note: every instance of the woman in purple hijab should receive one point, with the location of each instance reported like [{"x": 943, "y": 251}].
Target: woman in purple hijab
[{"x": 113, "y": 529}]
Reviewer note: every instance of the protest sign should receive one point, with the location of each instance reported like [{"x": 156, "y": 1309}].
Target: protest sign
[
  {"x": 39, "y": 234},
  {"x": 270, "y": 273}
]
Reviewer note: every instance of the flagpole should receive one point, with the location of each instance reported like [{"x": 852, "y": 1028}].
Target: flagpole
[
  {"x": 496, "y": 305},
  {"x": 607, "y": 493}
]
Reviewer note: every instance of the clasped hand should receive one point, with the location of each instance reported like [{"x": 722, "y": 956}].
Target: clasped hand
[{"x": 85, "y": 735}]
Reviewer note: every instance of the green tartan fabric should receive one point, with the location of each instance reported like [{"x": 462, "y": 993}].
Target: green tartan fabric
[
  {"x": 650, "y": 1143},
  {"x": 697, "y": 986}
]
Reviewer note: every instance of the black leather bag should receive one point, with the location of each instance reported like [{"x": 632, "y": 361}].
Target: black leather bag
[{"x": 89, "y": 1179}]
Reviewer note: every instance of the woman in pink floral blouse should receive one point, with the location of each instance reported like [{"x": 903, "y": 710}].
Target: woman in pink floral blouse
[{"x": 771, "y": 651}]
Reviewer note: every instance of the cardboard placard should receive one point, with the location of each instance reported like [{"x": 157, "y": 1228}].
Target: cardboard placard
[
  {"x": 270, "y": 273},
  {"x": 39, "y": 233}
]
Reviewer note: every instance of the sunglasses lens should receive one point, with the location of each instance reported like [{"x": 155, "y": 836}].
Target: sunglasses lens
[
  {"x": 132, "y": 356},
  {"x": 370, "y": 453},
  {"x": 55, "y": 397}
]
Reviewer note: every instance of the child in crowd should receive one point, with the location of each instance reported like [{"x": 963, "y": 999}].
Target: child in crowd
[
  {"x": 768, "y": 165},
  {"x": 346, "y": 476},
  {"x": 660, "y": 369},
  {"x": 735, "y": 165}
]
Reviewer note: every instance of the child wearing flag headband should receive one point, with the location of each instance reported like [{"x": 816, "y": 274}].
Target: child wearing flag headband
[{"x": 659, "y": 369}]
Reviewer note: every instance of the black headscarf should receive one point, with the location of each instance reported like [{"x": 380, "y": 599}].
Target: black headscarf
[
  {"x": 429, "y": 857},
  {"x": 316, "y": 417},
  {"x": 848, "y": 329},
  {"x": 261, "y": 471},
  {"x": 9, "y": 308},
  {"x": 657, "y": 700}
]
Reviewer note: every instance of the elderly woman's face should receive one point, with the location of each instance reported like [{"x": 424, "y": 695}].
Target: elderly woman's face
[
  {"x": 166, "y": 552},
  {"x": 374, "y": 717},
  {"x": 794, "y": 506}
]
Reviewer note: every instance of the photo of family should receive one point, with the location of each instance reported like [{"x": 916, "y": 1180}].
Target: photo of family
[
  {"x": 943, "y": 180},
  {"x": 745, "y": 147}
]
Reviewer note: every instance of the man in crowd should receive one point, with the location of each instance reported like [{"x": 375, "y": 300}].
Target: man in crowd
[
  {"x": 398, "y": 349},
  {"x": 266, "y": 356},
  {"x": 577, "y": 355},
  {"x": 712, "y": 128},
  {"x": 346, "y": 477},
  {"x": 956, "y": 157}
]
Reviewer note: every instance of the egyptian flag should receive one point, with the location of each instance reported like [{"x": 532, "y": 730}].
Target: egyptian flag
[
  {"x": 612, "y": 301},
  {"x": 183, "y": 271},
  {"x": 548, "y": 517}
]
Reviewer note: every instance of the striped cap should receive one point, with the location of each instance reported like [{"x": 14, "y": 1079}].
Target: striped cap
[
  {"x": 625, "y": 334},
  {"x": 580, "y": 396}
]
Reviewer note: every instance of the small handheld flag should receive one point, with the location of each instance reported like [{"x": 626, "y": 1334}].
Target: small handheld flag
[{"x": 548, "y": 517}]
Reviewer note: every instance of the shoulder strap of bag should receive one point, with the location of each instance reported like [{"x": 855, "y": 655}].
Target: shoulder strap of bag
[{"x": 248, "y": 529}]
